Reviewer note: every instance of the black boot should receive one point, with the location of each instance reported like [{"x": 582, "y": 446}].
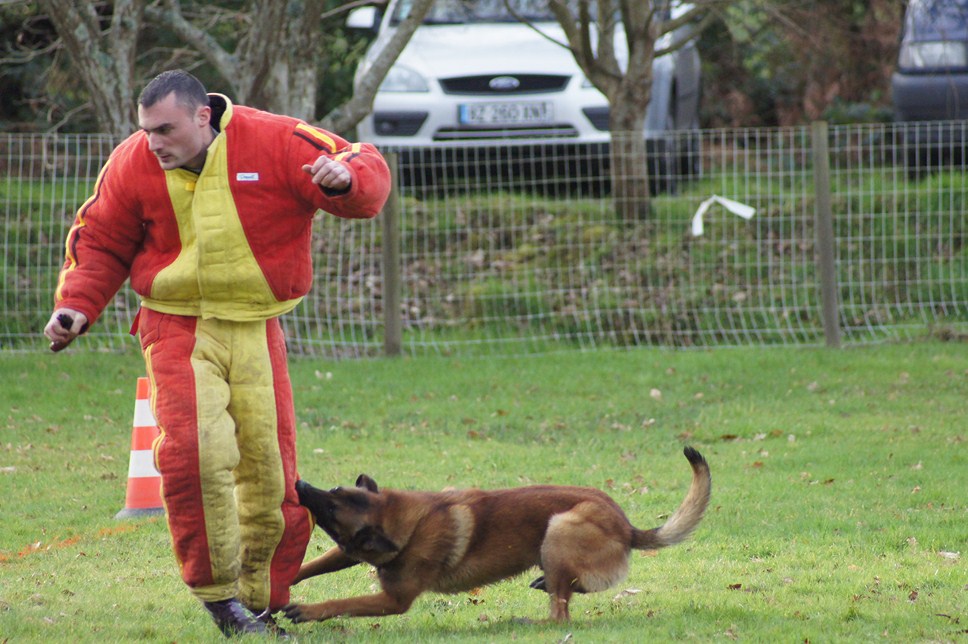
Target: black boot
[
  {"x": 272, "y": 626},
  {"x": 232, "y": 618}
]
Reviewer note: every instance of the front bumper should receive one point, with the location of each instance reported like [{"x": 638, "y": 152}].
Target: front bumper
[{"x": 930, "y": 97}]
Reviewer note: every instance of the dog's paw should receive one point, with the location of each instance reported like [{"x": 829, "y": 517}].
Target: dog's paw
[{"x": 294, "y": 612}]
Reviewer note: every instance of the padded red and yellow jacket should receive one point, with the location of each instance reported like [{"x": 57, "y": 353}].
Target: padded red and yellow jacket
[{"x": 232, "y": 242}]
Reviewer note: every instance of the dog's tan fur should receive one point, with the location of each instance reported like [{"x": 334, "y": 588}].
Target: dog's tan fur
[{"x": 459, "y": 540}]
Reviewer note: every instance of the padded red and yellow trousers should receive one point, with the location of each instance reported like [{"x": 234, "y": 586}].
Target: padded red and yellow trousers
[{"x": 221, "y": 395}]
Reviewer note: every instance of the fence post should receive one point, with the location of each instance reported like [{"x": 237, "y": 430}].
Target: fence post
[
  {"x": 825, "y": 234},
  {"x": 392, "y": 324}
]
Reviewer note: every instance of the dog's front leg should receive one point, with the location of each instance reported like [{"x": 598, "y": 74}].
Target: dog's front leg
[
  {"x": 376, "y": 605},
  {"x": 330, "y": 561}
]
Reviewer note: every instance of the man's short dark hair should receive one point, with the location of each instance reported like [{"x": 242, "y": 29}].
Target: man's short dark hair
[{"x": 189, "y": 91}]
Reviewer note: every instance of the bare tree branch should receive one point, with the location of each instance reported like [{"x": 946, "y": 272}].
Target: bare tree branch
[
  {"x": 350, "y": 113},
  {"x": 170, "y": 15}
]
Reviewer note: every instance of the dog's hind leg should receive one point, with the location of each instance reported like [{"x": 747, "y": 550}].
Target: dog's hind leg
[
  {"x": 559, "y": 608},
  {"x": 560, "y": 593},
  {"x": 584, "y": 552},
  {"x": 561, "y": 580}
]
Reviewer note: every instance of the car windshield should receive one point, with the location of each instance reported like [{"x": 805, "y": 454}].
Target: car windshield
[
  {"x": 455, "y": 12},
  {"x": 938, "y": 20}
]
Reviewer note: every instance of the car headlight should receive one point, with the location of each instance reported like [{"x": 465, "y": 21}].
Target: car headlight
[
  {"x": 404, "y": 79},
  {"x": 933, "y": 55}
]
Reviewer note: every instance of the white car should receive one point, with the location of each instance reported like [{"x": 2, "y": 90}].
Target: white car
[{"x": 474, "y": 76}]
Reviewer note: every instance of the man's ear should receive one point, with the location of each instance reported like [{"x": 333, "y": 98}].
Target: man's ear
[
  {"x": 372, "y": 540},
  {"x": 203, "y": 116}
]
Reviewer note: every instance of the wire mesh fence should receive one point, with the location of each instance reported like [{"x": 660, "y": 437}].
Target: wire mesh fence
[{"x": 532, "y": 249}]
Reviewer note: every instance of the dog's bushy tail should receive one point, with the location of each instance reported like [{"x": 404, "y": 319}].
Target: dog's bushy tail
[{"x": 684, "y": 520}]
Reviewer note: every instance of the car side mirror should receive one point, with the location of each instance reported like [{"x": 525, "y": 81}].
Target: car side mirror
[{"x": 364, "y": 18}]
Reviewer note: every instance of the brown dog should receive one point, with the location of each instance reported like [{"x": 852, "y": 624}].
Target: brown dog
[{"x": 456, "y": 541}]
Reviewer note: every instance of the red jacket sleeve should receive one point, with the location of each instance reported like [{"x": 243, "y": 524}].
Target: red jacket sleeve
[
  {"x": 100, "y": 246},
  {"x": 369, "y": 173}
]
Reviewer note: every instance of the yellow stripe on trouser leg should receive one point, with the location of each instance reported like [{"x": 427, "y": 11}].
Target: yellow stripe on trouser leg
[
  {"x": 259, "y": 476},
  {"x": 218, "y": 456},
  {"x": 240, "y": 466}
]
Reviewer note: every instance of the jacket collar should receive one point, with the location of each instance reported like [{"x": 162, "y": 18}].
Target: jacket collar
[{"x": 221, "y": 110}]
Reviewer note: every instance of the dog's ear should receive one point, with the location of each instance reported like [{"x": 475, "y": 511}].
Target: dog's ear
[
  {"x": 367, "y": 483},
  {"x": 372, "y": 540}
]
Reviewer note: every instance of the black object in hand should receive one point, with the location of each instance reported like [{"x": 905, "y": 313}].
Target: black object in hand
[{"x": 67, "y": 322}]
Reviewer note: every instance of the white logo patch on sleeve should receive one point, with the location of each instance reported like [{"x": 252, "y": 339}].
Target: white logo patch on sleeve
[{"x": 247, "y": 176}]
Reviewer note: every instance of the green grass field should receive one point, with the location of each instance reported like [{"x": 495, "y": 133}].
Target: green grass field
[{"x": 839, "y": 509}]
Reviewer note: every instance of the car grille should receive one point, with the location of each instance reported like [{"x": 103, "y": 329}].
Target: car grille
[
  {"x": 560, "y": 130},
  {"x": 482, "y": 86}
]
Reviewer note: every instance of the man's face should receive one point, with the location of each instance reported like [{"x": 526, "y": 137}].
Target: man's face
[{"x": 177, "y": 136}]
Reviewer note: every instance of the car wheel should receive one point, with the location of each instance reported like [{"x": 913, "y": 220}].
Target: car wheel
[
  {"x": 662, "y": 168},
  {"x": 930, "y": 147}
]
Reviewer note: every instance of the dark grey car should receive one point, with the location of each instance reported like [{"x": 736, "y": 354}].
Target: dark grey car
[
  {"x": 931, "y": 81},
  {"x": 930, "y": 84}
]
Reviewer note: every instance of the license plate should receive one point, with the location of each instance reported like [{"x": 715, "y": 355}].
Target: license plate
[{"x": 518, "y": 113}]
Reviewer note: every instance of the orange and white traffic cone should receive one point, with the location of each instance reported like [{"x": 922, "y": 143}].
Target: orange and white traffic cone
[{"x": 144, "y": 482}]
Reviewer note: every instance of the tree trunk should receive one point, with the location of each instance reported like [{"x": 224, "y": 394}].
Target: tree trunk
[
  {"x": 262, "y": 58},
  {"x": 629, "y": 154},
  {"x": 630, "y": 176},
  {"x": 104, "y": 60},
  {"x": 628, "y": 90},
  {"x": 302, "y": 59}
]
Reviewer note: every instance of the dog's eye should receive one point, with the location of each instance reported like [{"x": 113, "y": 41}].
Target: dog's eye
[{"x": 336, "y": 490}]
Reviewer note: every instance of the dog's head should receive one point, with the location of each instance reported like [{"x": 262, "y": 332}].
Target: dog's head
[{"x": 353, "y": 518}]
